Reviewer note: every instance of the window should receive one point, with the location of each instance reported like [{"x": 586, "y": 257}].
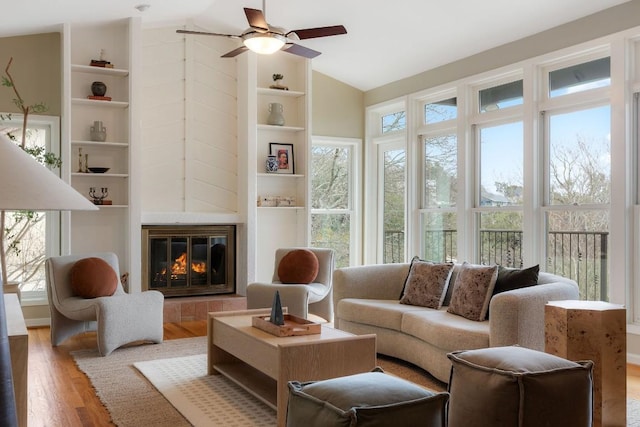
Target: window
[
  {"x": 501, "y": 96},
  {"x": 333, "y": 210},
  {"x": 580, "y": 77},
  {"x": 441, "y": 111},
  {"x": 501, "y": 159},
  {"x": 579, "y": 193},
  {"x": 31, "y": 236},
  {"x": 393, "y": 167},
  {"x": 440, "y": 193},
  {"x": 394, "y": 122}
]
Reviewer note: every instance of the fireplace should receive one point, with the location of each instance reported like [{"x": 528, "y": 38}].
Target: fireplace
[{"x": 186, "y": 260}]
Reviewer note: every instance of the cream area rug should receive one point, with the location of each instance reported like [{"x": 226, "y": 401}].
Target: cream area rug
[
  {"x": 143, "y": 385},
  {"x": 205, "y": 400}
]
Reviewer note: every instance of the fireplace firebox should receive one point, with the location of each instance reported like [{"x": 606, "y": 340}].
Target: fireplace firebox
[{"x": 187, "y": 260}]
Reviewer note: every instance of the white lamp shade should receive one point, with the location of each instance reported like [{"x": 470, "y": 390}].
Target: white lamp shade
[{"x": 25, "y": 184}]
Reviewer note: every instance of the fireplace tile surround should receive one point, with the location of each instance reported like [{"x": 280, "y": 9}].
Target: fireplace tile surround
[{"x": 187, "y": 309}]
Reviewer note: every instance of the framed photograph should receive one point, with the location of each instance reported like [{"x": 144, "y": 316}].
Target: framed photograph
[{"x": 284, "y": 154}]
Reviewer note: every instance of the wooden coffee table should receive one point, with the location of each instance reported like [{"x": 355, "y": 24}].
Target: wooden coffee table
[{"x": 263, "y": 364}]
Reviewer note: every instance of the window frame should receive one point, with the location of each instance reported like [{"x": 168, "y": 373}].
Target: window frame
[
  {"x": 54, "y": 222},
  {"x": 355, "y": 197}
]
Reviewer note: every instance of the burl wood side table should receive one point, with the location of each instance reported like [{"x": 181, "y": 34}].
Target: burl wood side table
[{"x": 596, "y": 331}]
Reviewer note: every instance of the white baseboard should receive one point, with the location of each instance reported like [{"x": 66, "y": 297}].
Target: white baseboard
[{"x": 34, "y": 323}]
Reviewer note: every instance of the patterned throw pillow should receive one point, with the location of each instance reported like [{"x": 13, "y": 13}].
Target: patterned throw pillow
[
  {"x": 427, "y": 283},
  {"x": 472, "y": 291}
]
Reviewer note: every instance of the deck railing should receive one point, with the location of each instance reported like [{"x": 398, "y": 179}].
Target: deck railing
[{"x": 581, "y": 256}]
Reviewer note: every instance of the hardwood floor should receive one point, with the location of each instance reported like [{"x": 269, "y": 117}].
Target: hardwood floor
[{"x": 61, "y": 395}]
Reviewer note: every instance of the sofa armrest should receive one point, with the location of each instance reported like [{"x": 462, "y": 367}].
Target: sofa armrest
[
  {"x": 517, "y": 317},
  {"x": 294, "y": 297}
]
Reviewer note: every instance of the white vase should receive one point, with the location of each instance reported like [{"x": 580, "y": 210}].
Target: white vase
[{"x": 275, "y": 114}]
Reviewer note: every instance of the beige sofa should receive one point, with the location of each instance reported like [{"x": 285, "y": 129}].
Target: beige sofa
[{"x": 366, "y": 300}]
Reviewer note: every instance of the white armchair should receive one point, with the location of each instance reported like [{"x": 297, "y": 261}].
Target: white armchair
[
  {"x": 301, "y": 299},
  {"x": 119, "y": 319}
]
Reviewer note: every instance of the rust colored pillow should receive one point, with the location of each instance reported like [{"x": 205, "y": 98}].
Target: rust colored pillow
[
  {"x": 298, "y": 266},
  {"x": 92, "y": 278}
]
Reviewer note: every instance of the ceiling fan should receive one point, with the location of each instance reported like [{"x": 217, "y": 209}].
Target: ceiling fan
[{"x": 263, "y": 38}]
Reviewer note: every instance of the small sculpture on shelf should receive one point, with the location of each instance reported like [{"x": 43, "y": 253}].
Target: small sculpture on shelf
[
  {"x": 98, "y": 132},
  {"x": 98, "y": 198},
  {"x": 102, "y": 62},
  {"x": 277, "y": 79},
  {"x": 276, "y": 116},
  {"x": 80, "y": 166}
]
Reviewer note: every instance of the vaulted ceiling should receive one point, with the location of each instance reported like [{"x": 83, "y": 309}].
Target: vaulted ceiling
[{"x": 386, "y": 40}]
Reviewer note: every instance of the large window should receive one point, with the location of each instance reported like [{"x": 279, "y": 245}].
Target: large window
[
  {"x": 439, "y": 183},
  {"x": 333, "y": 210},
  {"x": 579, "y": 183},
  {"x": 31, "y": 236},
  {"x": 392, "y": 197}
]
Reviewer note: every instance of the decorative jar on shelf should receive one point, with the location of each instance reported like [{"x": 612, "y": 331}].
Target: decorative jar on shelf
[
  {"x": 98, "y": 88},
  {"x": 272, "y": 163},
  {"x": 275, "y": 114},
  {"x": 98, "y": 132}
]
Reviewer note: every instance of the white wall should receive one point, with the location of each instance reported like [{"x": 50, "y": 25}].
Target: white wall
[{"x": 189, "y": 126}]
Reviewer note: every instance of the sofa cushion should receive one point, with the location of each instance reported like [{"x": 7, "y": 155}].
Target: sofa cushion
[
  {"x": 472, "y": 291},
  {"x": 515, "y": 278},
  {"x": 426, "y": 284},
  {"x": 93, "y": 277},
  {"x": 446, "y": 331},
  {"x": 375, "y": 312},
  {"x": 299, "y": 266}
]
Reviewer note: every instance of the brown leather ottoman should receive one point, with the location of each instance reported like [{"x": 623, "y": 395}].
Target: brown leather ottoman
[
  {"x": 516, "y": 386},
  {"x": 364, "y": 400}
]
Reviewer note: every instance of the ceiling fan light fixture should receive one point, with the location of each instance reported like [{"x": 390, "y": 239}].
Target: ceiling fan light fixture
[{"x": 264, "y": 43}]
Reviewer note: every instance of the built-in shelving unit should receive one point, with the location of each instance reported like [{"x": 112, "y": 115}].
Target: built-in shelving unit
[
  {"x": 284, "y": 225},
  {"x": 109, "y": 228}
]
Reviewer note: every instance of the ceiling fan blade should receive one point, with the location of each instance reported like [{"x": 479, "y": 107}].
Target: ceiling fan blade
[
  {"x": 256, "y": 19},
  {"x": 311, "y": 33},
  {"x": 235, "y": 52},
  {"x": 296, "y": 49},
  {"x": 203, "y": 33}
]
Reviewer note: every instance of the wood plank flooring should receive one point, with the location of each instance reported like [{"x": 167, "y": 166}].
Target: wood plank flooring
[{"x": 61, "y": 395}]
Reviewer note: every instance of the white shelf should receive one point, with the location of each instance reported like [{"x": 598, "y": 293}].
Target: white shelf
[
  {"x": 102, "y": 144},
  {"x": 280, "y": 175},
  {"x": 98, "y": 103},
  {"x": 104, "y": 175},
  {"x": 279, "y": 92},
  {"x": 280, "y": 207},
  {"x": 77, "y": 68},
  {"x": 275, "y": 128}
]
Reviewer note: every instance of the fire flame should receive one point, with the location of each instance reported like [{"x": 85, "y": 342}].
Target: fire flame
[{"x": 179, "y": 266}]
